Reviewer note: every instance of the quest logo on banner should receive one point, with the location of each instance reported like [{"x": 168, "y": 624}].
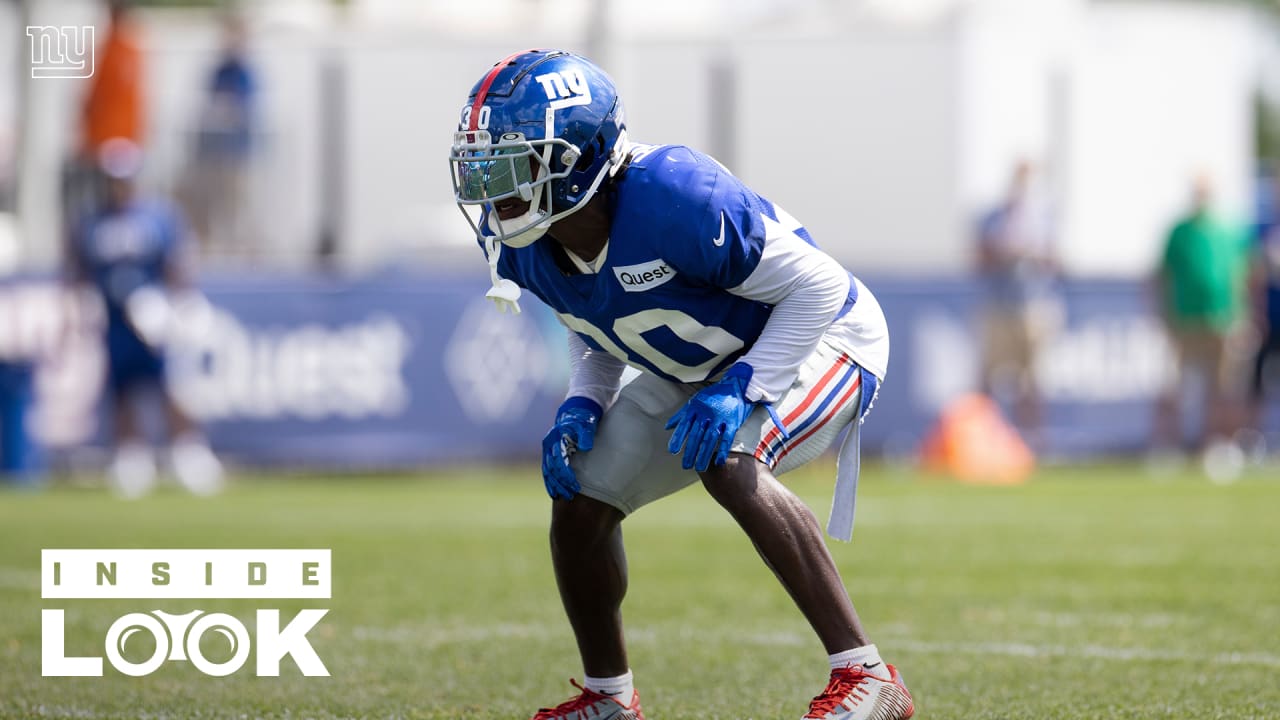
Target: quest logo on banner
[{"x": 101, "y": 574}]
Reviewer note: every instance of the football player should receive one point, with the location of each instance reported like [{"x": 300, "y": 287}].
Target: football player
[
  {"x": 131, "y": 254},
  {"x": 754, "y": 350}
]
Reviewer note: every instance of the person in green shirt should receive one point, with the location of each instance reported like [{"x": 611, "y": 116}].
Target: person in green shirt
[{"x": 1201, "y": 293}]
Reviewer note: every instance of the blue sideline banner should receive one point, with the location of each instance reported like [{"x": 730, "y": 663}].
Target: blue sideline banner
[
  {"x": 1100, "y": 373},
  {"x": 405, "y": 370},
  {"x": 385, "y": 372}
]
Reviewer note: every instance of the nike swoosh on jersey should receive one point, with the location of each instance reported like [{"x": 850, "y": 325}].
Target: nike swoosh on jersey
[{"x": 718, "y": 241}]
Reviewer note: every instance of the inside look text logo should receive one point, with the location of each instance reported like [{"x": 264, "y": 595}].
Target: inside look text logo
[{"x": 186, "y": 574}]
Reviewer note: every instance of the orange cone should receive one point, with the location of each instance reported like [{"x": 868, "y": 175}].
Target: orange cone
[{"x": 972, "y": 442}]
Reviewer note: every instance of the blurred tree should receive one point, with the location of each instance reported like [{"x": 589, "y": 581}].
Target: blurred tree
[
  {"x": 1272, "y": 5},
  {"x": 210, "y": 3},
  {"x": 1266, "y": 128}
]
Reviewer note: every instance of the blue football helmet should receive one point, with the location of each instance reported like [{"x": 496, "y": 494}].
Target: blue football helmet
[{"x": 542, "y": 127}]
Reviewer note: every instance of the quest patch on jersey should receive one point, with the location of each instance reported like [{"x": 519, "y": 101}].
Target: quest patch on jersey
[{"x": 645, "y": 276}]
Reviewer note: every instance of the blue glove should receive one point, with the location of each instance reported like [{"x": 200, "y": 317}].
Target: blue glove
[
  {"x": 706, "y": 425},
  {"x": 575, "y": 430}
]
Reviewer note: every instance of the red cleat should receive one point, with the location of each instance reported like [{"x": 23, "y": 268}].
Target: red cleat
[
  {"x": 858, "y": 693},
  {"x": 592, "y": 706}
]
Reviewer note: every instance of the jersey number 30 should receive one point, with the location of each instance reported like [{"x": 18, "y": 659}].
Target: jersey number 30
[{"x": 629, "y": 331}]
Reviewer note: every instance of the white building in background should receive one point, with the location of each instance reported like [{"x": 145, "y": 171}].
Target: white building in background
[{"x": 884, "y": 124}]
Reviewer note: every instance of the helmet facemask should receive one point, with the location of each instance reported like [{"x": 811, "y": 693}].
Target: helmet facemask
[{"x": 486, "y": 171}]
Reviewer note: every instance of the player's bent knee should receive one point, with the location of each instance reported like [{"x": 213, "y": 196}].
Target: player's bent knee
[
  {"x": 736, "y": 479},
  {"x": 582, "y": 520}
]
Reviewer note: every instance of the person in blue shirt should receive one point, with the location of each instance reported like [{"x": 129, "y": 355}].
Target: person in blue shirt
[
  {"x": 750, "y": 350},
  {"x": 217, "y": 191},
  {"x": 132, "y": 253},
  {"x": 1265, "y": 282},
  {"x": 1021, "y": 310},
  {"x": 228, "y": 125}
]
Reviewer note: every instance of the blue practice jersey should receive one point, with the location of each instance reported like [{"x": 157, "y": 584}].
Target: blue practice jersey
[
  {"x": 1269, "y": 250},
  {"x": 684, "y": 232},
  {"x": 120, "y": 251}
]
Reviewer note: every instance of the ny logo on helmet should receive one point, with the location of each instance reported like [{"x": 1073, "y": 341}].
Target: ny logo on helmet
[{"x": 566, "y": 88}]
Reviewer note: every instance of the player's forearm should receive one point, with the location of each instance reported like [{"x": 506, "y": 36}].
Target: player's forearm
[
  {"x": 594, "y": 375},
  {"x": 805, "y": 306}
]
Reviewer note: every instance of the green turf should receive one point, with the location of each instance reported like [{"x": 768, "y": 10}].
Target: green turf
[{"x": 1089, "y": 593}]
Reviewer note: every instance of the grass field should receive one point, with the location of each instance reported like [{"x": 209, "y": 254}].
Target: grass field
[{"x": 1088, "y": 593}]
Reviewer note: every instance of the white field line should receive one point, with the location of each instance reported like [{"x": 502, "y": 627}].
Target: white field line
[
  {"x": 427, "y": 637},
  {"x": 62, "y": 711},
  {"x": 1097, "y": 652},
  {"x": 1119, "y": 620}
]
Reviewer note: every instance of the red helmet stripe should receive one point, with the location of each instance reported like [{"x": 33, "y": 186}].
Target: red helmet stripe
[{"x": 487, "y": 83}]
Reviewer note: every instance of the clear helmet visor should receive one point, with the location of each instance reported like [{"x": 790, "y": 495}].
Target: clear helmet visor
[
  {"x": 487, "y": 172},
  {"x": 496, "y": 175}
]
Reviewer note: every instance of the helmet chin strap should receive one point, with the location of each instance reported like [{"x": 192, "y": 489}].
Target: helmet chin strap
[
  {"x": 532, "y": 225},
  {"x": 504, "y": 294}
]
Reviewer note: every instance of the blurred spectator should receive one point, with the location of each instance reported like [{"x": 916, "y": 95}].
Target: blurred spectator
[
  {"x": 1018, "y": 265},
  {"x": 1200, "y": 286},
  {"x": 1265, "y": 291},
  {"x": 113, "y": 108},
  {"x": 132, "y": 252},
  {"x": 216, "y": 192},
  {"x": 8, "y": 169},
  {"x": 20, "y": 456}
]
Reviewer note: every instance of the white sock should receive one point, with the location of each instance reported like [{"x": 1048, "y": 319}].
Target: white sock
[
  {"x": 197, "y": 468},
  {"x": 133, "y": 471},
  {"x": 620, "y": 688},
  {"x": 866, "y": 655}
]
